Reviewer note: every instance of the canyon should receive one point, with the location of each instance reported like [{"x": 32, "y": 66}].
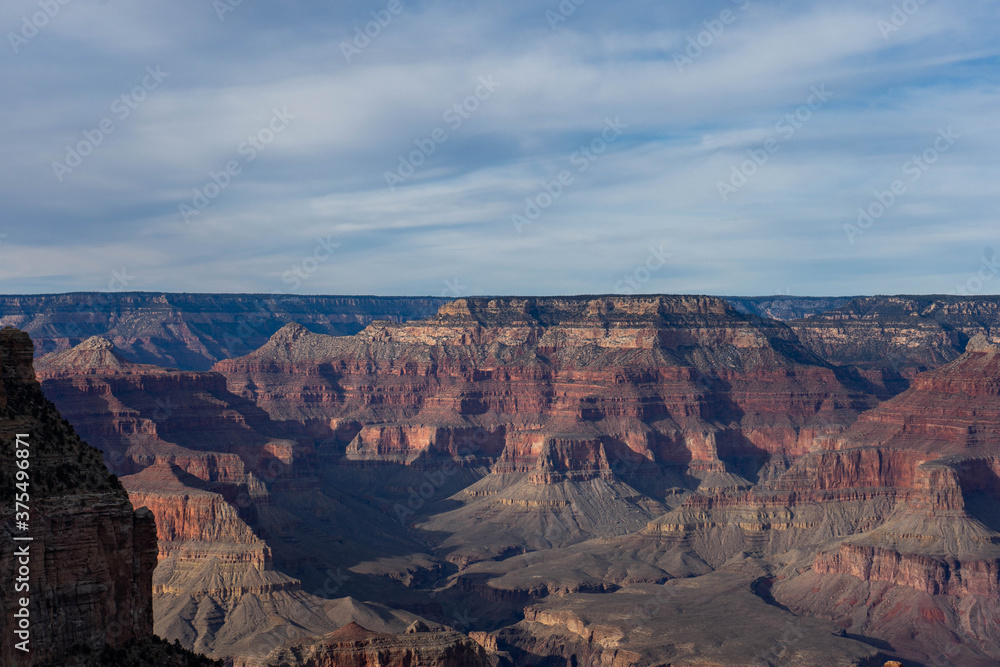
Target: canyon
[
  {"x": 554, "y": 480},
  {"x": 77, "y": 563}
]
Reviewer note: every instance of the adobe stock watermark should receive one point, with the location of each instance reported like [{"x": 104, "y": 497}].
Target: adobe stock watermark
[
  {"x": 253, "y": 324},
  {"x": 363, "y": 35},
  {"x": 454, "y": 116},
  {"x": 223, "y": 7},
  {"x": 581, "y": 159},
  {"x": 790, "y": 637},
  {"x": 786, "y": 128},
  {"x": 119, "y": 280},
  {"x": 698, "y": 43},
  {"x": 914, "y": 168},
  {"x": 989, "y": 267},
  {"x": 302, "y": 270},
  {"x": 632, "y": 282},
  {"x": 22, "y": 517},
  {"x": 31, "y": 24},
  {"x": 434, "y": 480},
  {"x": 453, "y": 288},
  {"x": 248, "y": 150},
  {"x": 333, "y": 583},
  {"x": 899, "y": 17},
  {"x": 564, "y": 10},
  {"x": 122, "y": 107}
]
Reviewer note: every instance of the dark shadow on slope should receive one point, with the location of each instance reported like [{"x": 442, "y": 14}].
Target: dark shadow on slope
[
  {"x": 880, "y": 644},
  {"x": 984, "y": 507},
  {"x": 761, "y": 587}
]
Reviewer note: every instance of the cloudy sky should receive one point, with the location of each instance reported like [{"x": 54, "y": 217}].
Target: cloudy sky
[{"x": 456, "y": 148}]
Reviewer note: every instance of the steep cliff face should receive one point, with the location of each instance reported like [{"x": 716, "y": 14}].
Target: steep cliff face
[
  {"x": 889, "y": 529},
  {"x": 941, "y": 547},
  {"x": 573, "y": 404},
  {"x": 91, "y": 557},
  {"x": 670, "y": 379}
]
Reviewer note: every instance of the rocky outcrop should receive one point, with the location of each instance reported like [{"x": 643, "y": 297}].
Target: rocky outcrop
[
  {"x": 91, "y": 556},
  {"x": 186, "y": 510},
  {"x": 227, "y": 495},
  {"x": 932, "y": 575},
  {"x": 355, "y": 646},
  {"x": 678, "y": 623},
  {"x": 942, "y": 539}
]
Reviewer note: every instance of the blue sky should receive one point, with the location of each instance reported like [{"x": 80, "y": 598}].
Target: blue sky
[{"x": 685, "y": 147}]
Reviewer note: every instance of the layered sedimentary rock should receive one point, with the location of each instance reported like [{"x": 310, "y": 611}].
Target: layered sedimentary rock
[
  {"x": 91, "y": 555},
  {"x": 900, "y": 507},
  {"x": 891, "y": 338},
  {"x": 528, "y": 470},
  {"x": 193, "y": 331},
  {"x": 356, "y": 646},
  {"x": 889, "y": 529},
  {"x": 212, "y": 469},
  {"x": 669, "y": 379},
  {"x": 570, "y": 402},
  {"x": 940, "y": 549}
]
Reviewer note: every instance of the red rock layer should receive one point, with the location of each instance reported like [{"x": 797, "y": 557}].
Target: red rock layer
[
  {"x": 671, "y": 380},
  {"x": 932, "y": 575}
]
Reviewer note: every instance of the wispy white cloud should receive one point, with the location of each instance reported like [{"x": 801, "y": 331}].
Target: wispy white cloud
[{"x": 324, "y": 176}]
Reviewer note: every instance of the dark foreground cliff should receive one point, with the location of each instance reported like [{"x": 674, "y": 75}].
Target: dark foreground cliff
[{"x": 86, "y": 571}]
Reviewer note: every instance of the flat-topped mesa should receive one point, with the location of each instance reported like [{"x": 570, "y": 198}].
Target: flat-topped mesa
[
  {"x": 551, "y": 311},
  {"x": 513, "y": 331},
  {"x": 640, "y": 373},
  {"x": 186, "y": 510},
  {"x": 555, "y": 323}
]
